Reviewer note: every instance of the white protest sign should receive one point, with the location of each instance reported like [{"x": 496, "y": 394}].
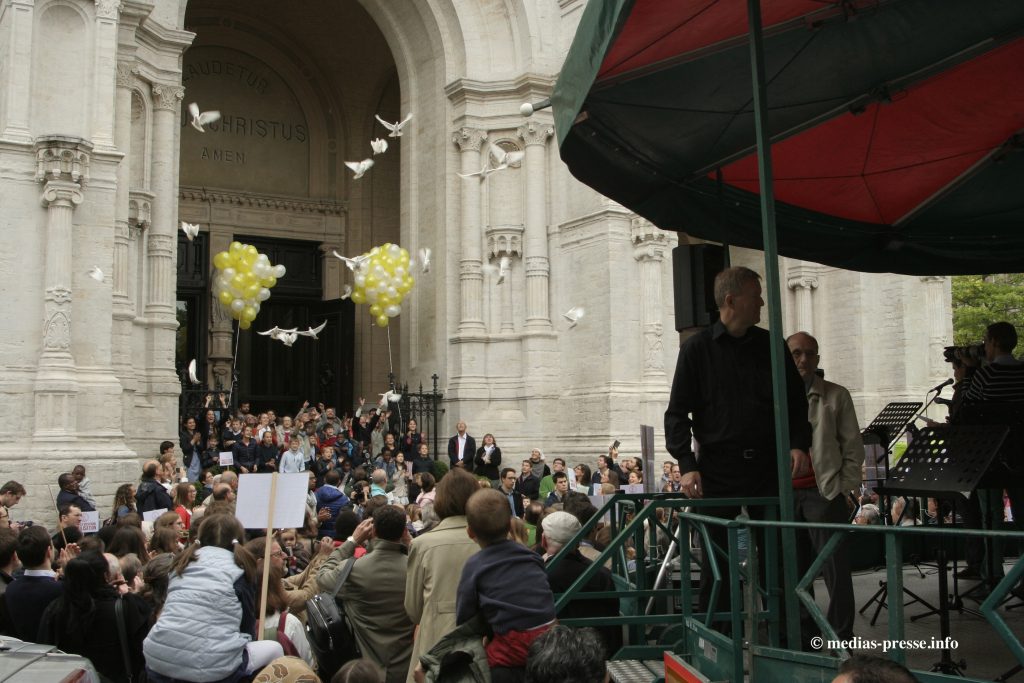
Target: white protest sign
[
  {"x": 90, "y": 523},
  {"x": 289, "y": 503},
  {"x": 633, "y": 488},
  {"x": 598, "y": 501},
  {"x": 151, "y": 516},
  {"x": 227, "y": 458},
  {"x": 580, "y": 488}
]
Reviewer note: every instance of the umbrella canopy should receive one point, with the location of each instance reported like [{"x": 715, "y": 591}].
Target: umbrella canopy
[{"x": 897, "y": 126}]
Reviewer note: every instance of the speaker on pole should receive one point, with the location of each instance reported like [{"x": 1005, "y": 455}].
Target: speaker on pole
[{"x": 694, "y": 267}]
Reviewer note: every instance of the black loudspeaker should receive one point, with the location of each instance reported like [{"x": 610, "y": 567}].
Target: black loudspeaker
[{"x": 694, "y": 267}]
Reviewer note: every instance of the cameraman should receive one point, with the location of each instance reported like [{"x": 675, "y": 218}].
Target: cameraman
[{"x": 1000, "y": 380}]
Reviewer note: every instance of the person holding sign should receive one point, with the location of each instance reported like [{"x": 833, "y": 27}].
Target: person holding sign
[{"x": 211, "y": 584}]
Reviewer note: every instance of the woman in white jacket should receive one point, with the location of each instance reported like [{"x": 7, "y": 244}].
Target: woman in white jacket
[{"x": 205, "y": 631}]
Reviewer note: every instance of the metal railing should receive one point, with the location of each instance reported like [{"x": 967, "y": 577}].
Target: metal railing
[{"x": 627, "y": 514}]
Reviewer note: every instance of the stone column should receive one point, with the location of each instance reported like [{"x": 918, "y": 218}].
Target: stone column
[
  {"x": 538, "y": 268},
  {"x": 104, "y": 63},
  {"x": 124, "y": 308},
  {"x": 222, "y": 331},
  {"x": 650, "y": 246},
  {"x": 939, "y": 325},
  {"x": 803, "y": 284},
  {"x": 161, "y": 283},
  {"x": 62, "y": 167},
  {"x": 506, "y": 240},
  {"x": 471, "y": 278},
  {"x": 16, "y": 24}
]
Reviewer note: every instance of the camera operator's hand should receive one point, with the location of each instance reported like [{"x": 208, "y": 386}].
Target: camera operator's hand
[{"x": 363, "y": 532}]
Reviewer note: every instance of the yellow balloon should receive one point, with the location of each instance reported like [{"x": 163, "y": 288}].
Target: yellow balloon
[
  {"x": 382, "y": 321},
  {"x": 405, "y": 257},
  {"x": 222, "y": 260},
  {"x": 252, "y": 251},
  {"x": 225, "y": 297},
  {"x": 409, "y": 281},
  {"x": 269, "y": 282},
  {"x": 371, "y": 282},
  {"x": 358, "y": 296},
  {"x": 253, "y": 290},
  {"x": 383, "y": 301},
  {"x": 244, "y": 325},
  {"x": 402, "y": 289},
  {"x": 235, "y": 248},
  {"x": 248, "y": 313},
  {"x": 376, "y": 310},
  {"x": 238, "y": 282}
]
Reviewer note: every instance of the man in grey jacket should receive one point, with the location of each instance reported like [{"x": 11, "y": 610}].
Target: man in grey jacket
[{"x": 374, "y": 593}]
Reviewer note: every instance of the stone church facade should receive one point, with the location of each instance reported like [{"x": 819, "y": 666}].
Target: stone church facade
[{"x": 98, "y": 165}]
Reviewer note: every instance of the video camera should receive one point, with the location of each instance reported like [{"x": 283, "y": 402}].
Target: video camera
[{"x": 957, "y": 354}]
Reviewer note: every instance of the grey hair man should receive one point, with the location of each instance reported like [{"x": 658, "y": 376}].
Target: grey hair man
[{"x": 566, "y": 655}]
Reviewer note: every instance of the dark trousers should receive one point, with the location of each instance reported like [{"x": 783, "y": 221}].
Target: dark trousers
[{"x": 811, "y": 506}]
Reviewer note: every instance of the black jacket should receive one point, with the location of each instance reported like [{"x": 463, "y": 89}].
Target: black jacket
[
  {"x": 151, "y": 495},
  {"x": 561, "y": 579},
  {"x": 491, "y": 470},
  {"x": 467, "y": 455}
]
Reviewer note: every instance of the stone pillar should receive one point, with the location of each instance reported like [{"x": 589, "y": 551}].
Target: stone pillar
[
  {"x": 937, "y": 304},
  {"x": 16, "y": 24},
  {"x": 124, "y": 308},
  {"x": 649, "y": 248},
  {"x": 538, "y": 268},
  {"x": 104, "y": 63},
  {"x": 803, "y": 284},
  {"x": 222, "y": 331},
  {"x": 140, "y": 218},
  {"x": 62, "y": 167},
  {"x": 471, "y": 278},
  {"x": 506, "y": 240}
]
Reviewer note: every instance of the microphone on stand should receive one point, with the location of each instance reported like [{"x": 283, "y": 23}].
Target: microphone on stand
[{"x": 944, "y": 385}]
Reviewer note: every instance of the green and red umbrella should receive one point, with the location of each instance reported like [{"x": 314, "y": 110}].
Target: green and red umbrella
[{"x": 897, "y": 126}]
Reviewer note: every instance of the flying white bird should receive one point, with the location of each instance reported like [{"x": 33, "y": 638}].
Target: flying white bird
[
  {"x": 395, "y": 128},
  {"x": 425, "y": 260},
  {"x": 288, "y": 338},
  {"x": 359, "y": 167},
  {"x": 96, "y": 274},
  {"x": 573, "y": 315},
  {"x": 347, "y": 293},
  {"x": 501, "y": 270},
  {"x": 190, "y": 230},
  {"x": 389, "y": 397},
  {"x": 313, "y": 331},
  {"x": 353, "y": 263},
  {"x": 379, "y": 146},
  {"x": 192, "y": 372},
  {"x": 277, "y": 333},
  {"x": 501, "y": 159},
  {"x": 201, "y": 119}
]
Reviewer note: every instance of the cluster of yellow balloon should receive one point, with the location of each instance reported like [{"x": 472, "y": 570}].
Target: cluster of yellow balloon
[
  {"x": 382, "y": 279},
  {"x": 244, "y": 280}
]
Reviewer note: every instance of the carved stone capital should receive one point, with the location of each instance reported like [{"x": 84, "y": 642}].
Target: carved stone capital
[
  {"x": 58, "y": 295},
  {"x": 167, "y": 96},
  {"x": 802, "y": 282},
  {"x": 162, "y": 245},
  {"x": 505, "y": 240},
  {"x": 534, "y": 133},
  {"x": 537, "y": 265},
  {"x": 59, "y": 157},
  {"x": 126, "y": 73},
  {"x": 61, "y": 192},
  {"x": 108, "y": 9},
  {"x": 469, "y": 139},
  {"x": 140, "y": 210}
]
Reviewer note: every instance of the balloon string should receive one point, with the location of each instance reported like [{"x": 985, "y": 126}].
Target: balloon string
[
  {"x": 234, "y": 361},
  {"x": 391, "y": 367}
]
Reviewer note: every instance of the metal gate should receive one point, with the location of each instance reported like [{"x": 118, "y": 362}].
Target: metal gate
[{"x": 425, "y": 408}]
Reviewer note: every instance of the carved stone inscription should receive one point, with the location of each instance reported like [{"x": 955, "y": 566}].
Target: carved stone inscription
[{"x": 262, "y": 135}]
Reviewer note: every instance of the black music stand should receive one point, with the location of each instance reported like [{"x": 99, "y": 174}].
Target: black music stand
[{"x": 943, "y": 462}]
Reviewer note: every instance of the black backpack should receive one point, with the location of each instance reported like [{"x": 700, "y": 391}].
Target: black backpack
[{"x": 329, "y": 629}]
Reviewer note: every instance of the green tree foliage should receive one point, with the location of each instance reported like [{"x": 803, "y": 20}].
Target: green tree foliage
[{"x": 979, "y": 300}]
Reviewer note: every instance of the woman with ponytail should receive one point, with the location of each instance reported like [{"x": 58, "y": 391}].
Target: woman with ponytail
[
  {"x": 83, "y": 620},
  {"x": 206, "y": 629}
]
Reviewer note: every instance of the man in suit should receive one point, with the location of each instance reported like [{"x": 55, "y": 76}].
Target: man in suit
[
  {"x": 27, "y": 597},
  {"x": 374, "y": 593},
  {"x": 461, "y": 448},
  {"x": 69, "y": 494},
  {"x": 507, "y": 487}
]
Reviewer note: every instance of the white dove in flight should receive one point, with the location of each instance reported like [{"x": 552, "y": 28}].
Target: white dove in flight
[
  {"x": 200, "y": 119},
  {"x": 395, "y": 128},
  {"x": 288, "y": 338},
  {"x": 425, "y": 260},
  {"x": 276, "y": 333},
  {"x": 353, "y": 263},
  {"x": 504, "y": 159},
  {"x": 95, "y": 273},
  {"x": 192, "y": 372},
  {"x": 359, "y": 167},
  {"x": 314, "y": 331},
  {"x": 190, "y": 230},
  {"x": 501, "y": 270},
  {"x": 379, "y": 146},
  {"x": 389, "y": 397},
  {"x": 573, "y": 315},
  {"x": 347, "y": 292}
]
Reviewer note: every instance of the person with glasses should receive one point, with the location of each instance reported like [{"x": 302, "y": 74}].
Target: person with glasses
[{"x": 508, "y": 489}]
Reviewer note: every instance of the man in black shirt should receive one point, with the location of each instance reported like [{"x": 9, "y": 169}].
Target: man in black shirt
[{"x": 724, "y": 379}]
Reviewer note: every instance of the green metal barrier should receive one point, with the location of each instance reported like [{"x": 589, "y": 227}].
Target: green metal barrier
[{"x": 691, "y": 634}]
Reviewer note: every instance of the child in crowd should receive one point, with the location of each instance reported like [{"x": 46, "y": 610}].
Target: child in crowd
[
  {"x": 492, "y": 585},
  {"x": 212, "y": 585}
]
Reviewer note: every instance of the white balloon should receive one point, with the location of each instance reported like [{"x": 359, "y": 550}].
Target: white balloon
[
  {"x": 264, "y": 294},
  {"x": 360, "y": 280},
  {"x": 279, "y": 271},
  {"x": 237, "y": 305},
  {"x": 391, "y": 292},
  {"x": 371, "y": 296},
  {"x": 393, "y": 310},
  {"x": 229, "y": 273},
  {"x": 395, "y": 251},
  {"x": 399, "y": 273},
  {"x": 379, "y": 272}
]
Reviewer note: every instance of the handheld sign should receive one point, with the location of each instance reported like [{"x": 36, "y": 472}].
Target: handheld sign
[
  {"x": 152, "y": 515},
  {"x": 90, "y": 523},
  {"x": 227, "y": 458}
]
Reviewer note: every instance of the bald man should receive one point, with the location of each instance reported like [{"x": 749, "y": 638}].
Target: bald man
[{"x": 837, "y": 454}]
